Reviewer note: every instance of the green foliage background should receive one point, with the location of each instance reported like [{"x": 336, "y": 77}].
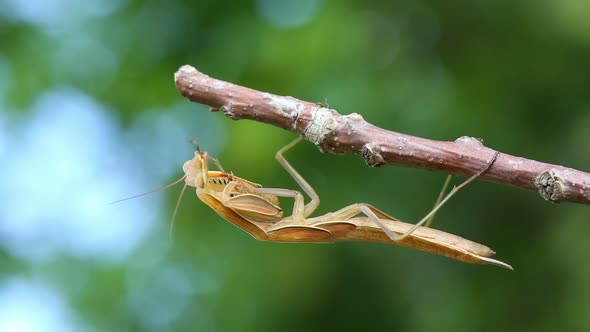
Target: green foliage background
[{"x": 516, "y": 74}]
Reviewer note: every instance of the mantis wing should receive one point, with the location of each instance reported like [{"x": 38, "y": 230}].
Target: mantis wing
[{"x": 255, "y": 207}]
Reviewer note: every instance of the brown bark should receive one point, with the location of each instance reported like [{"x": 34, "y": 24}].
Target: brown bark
[{"x": 336, "y": 133}]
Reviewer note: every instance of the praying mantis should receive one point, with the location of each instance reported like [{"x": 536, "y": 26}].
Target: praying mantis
[{"x": 256, "y": 210}]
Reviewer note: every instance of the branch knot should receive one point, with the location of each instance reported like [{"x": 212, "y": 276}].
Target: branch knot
[{"x": 550, "y": 186}]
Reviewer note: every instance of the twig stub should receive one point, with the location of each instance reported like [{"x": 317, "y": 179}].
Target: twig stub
[{"x": 549, "y": 186}]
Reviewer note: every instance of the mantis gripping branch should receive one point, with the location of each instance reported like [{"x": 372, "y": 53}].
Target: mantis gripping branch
[{"x": 339, "y": 134}]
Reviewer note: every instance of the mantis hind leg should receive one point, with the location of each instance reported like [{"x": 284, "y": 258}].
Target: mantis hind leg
[
  {"x": 439, "y": 199},
  {"x": 442, "y": 199},
  {"x": 375, "y": 214}
]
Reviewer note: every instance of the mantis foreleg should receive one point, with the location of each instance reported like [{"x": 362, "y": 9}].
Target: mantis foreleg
[{"x": 310, "y": 207}]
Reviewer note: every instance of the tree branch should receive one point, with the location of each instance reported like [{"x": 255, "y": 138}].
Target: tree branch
[{"x": 336, "y": 133}]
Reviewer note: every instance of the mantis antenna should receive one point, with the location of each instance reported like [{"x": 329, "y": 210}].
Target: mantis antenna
[{"x": 164, "y": 187}]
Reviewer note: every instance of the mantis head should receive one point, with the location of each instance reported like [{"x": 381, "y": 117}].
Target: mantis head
[{"x": 196, "y": 170}]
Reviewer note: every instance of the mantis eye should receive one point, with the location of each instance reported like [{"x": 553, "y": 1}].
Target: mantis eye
[{"x": 186, "y": 167}]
